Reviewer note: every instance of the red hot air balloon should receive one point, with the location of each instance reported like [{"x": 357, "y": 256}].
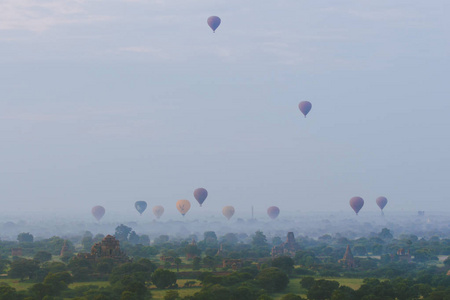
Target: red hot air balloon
[
  {"x": 356, "y": 203},
  {"x": 214, "y": 22},
  {"x": 305, "y": 107},
  {"x": 200, "y": 195},
  {"x": 381, "y": 202},
  {"x": 273, "y": 212},
  {"x": 98, "y": 212}
]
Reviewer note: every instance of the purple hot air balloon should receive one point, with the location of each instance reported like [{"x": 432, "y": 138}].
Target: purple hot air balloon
[
  {"x": 273, "y": 212},
  {"x": 214, "y": 22},
  {"x": 200, "y": 195},
  {"x": 356, "y": 203},
  {"x": 98, "y": 212},
  {"x": 381, "y": 202},
  {"x": 305, "y": 107}
]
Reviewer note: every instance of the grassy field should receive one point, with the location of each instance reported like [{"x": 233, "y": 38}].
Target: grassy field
[
  {"x": 97, "y": 283},
  {"x": 294, "y": 287},
  {"x": 353, "y": 283},
  {"x": 15, "y": 283}
]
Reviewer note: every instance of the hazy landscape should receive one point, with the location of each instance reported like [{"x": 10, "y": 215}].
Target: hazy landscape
[{"x": 224, "y": 150}]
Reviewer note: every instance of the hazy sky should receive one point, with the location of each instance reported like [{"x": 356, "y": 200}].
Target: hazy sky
[{"x": 106, "y": 102}]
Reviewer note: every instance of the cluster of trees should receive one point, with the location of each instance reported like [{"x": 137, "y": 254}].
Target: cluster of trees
[
  {"x": 399, "y": 288},
  {"x": 259, "y": 277}
]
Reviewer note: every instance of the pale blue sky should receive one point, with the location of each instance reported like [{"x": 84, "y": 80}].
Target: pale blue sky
[{"x": 109, "y": 102}]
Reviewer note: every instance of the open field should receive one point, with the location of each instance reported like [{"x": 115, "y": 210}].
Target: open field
[
  {"x": 15, "y": 283},
  {"x": 294, "y": 287}
]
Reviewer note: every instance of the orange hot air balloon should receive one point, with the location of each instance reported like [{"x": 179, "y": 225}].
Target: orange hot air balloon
[
  {"x": 158, "y": 211},
  {"x": 183, "y": 206},
  {"x": 228, "y": 211},
  {"x": 98, "y": 212}
]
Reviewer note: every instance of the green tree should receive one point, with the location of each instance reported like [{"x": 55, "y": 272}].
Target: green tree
[
  {"x": 196, "y": 263},
  {"x": 25, "y": 237},
  {"x": 385, "y": 234},
  {"x": 81, "y": 269},
  {"x": 140, "y": 271},
  {"x": 344, "y": 293},
  {"x": 40, "y": 290},
  {"x": 23, "y": 268},
  {"x": 172, "y": 295},
  {"x": 307, "y": 282},
  {"x": 192, "y": 250},
  {"x": 447, "y": 261},
  {"x": 161, "y": 239},
  {"x": 163, "y": 278},
  {"x": 122, "y": 232},
  {"x": 322, "y": 289},
  {"x": 8, "y": 293},
  {"x": 58, "y": 282},
  {"x": 177, "y": 262},
  {"x": 144, "y": 239},
  {"x": 42, "y": 256},
  {"x": 133, "y": 238},
  {"x": 87, "y": 241},
  {"x": 4, "y": 263},
  {"x": 259, "y": 239},
  {"x": 209, "y": 262},
  {"x": 284, "y": 263},
  {"x": 273, "y": 280}
]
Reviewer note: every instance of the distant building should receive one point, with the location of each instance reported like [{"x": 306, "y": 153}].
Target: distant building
[
  {"x": 288, "y": 248},
  {"x": 348, "y": 259},
  {"x": 403, "y": 255},
  {"x": 234, "y": 264},
  {"x": 16, "y": 252},
  {"x": 190, "y": 255},
  {"x": 65, "y": 249},
  {"x": 109, "y": 247},
  {"x": 220, "y": 252}
]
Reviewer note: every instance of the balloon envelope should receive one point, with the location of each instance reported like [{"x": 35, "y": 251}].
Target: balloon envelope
[
  {"x": 214, "y": 22},
  {"x": 381, "y": 202},
  {"x": 228, "y": 211},
  {"x": 200, "y": 195},
  {"x": 140, "y": 206},
  {"x": 273, "y": 212},
  {"x": 356, "y": 203},
  {"x": 305, "y": 107},
  {"x": 158, "y": 211},
  {"x": 183, "y": 206},
  {"x": 98, "y": 212}
]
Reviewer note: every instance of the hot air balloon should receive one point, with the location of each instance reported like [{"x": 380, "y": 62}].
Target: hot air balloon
[
  {"x": 200, "y": 195},
  {"x": 140, "y": 206},
  {"x": 214, "y": 22},
  {"x": 183, "y": 206},
  {"x": 381, "y": 202},
  {"x": 228, "y": 211},
  {"x": 98, "y": 212},
  {"x": 356, "y": 203},
  {"x": 305, "y": 107},
  {"x": 158, "y": 211},
  {"x": 273, "y": 212}
]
